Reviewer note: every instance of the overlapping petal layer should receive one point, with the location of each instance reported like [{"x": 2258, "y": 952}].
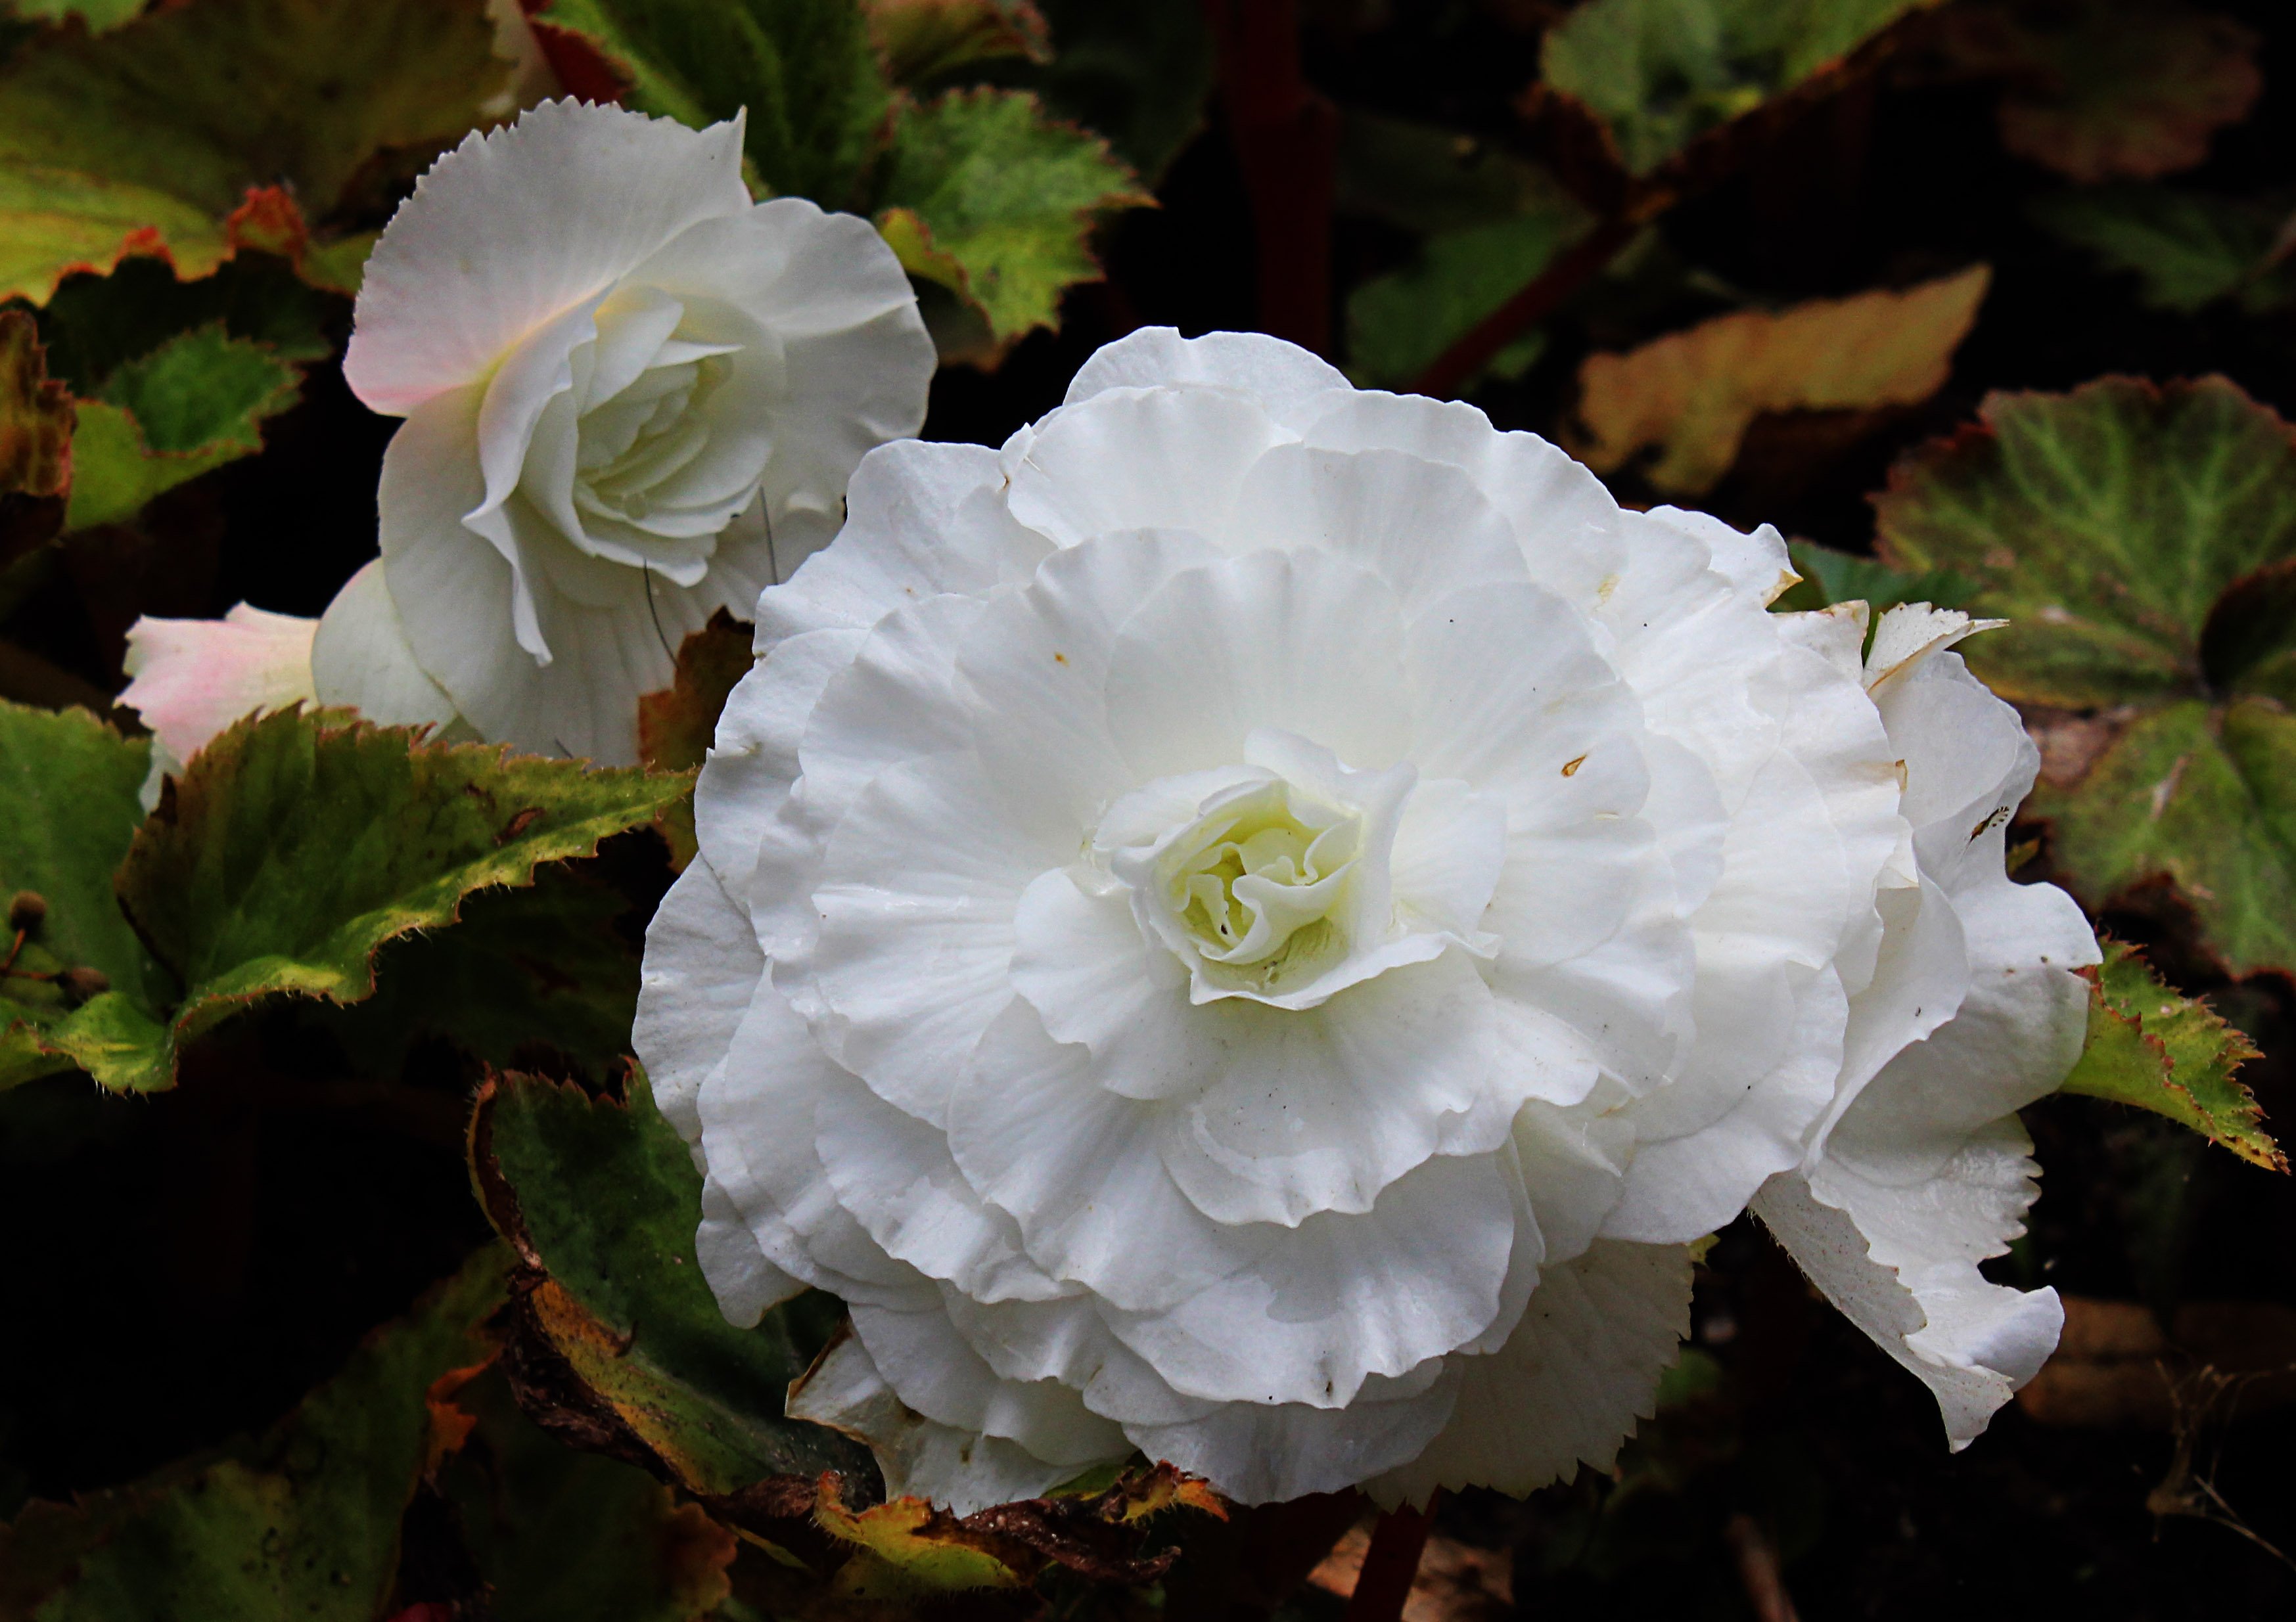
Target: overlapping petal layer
[{"x": 1256, "y": 922}]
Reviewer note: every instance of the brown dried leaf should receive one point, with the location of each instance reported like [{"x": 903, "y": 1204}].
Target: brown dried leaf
[{"x": 1694, "y": 394}]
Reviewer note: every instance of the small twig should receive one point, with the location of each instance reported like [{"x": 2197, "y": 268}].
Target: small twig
[
  {"x": 9, "y": 966},
  {"x": 1391, "y": 1563},
  {"x": 1540, "y": 297},
  {"x": 1757, "y": 1570}
]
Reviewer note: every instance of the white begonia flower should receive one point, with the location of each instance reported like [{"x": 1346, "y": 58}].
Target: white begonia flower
[
  {"x": 193, "y": 677},
  {"x": 1257, "y": 924},
  {"x": 632, "y": 396}
]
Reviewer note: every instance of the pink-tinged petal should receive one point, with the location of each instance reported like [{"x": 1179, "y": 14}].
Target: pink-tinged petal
[
  {"x": 517, "y": 225},
  {"x": 194, "y": 677}
]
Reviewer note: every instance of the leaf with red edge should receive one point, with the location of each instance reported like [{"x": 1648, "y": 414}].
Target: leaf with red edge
[
  {"x": 151, "y": 139},
  {"x": 2100, "y": 89},
  {"x": 2151, "y": 1046}
]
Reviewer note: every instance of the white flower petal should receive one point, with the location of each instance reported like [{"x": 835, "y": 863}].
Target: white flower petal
[
  {"x": 360, "y": 658},
  {"x": 1116, "y": 461},
  {"x": 1262, "y": 1454},
  {"x": 954, "y": 1466},
  {"x": 516, "y": 225},
  {"x": 1565, "y": 522},
  {"x": 1570, "y": 1383},
  {"x": 923, "y": 519},
  {"x": 1971, "y": 1341},
  {"x": 1322, "y": 1109},
  {"x": 1298, "y": 641},
  {"x": 194, "y": 677},
  {"x": 695, "y": 988},
  {"x": 1282, "y": 377},
  {"x": 1422, "y": 527},
  {"x": 923, "y": 1357},
  {"x": 1340, "y": 1299},
  {"x": 1080, "y": 1168}
]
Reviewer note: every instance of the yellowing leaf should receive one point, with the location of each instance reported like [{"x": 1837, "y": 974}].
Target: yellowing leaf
[
  {"x": 150, "y": 138},
  {"x": 2104, "y": 88},
  {"x": 910, "y": 1548},
  {"x": 1693, "y": 395},
  {"x": 2152, "y": 1046}
]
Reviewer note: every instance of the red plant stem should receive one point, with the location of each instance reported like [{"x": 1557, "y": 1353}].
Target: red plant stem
[
  {"x": 1286, "y": 137},
  {"x": 1538, "y": 300},
  {"x": 1392, "y": 1562}
]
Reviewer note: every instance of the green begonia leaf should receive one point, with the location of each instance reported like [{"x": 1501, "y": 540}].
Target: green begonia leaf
[
  {"x": 93, "y": 325},
  {"x": 186, "y": 409},
  {"x": 2185, "y": 250},
  {"x": 986, "y": 195},
  {"x": 303, "y": 1523},
  {"x": 2137, "y": 538},
  {"x": 805, "y": 69},
  {"x": 1397, "y": 323},
  {"x": 603, "y": 1198},
  {"x": 562, "y": 1536},
  {"x": 2152, "y": 1046},
  {"x": 295, "y": 845},
  {"x": 68, "y": 789},
  {"x": 150, "y": 137},
  {"x": 1659, "y": 73}
]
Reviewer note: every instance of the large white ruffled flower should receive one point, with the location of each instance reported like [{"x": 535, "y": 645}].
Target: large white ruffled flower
[
  {"x": 1257, "y": 924},
  {"x": 632, "y": 397}
]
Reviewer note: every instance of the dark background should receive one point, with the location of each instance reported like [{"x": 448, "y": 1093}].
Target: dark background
[{"x": 222, "y": 1245}]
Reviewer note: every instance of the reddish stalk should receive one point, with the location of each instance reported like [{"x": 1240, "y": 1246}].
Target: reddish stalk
[
  {"x": 1392, "y": 1562},
  {"x": 1286, "y": 137}
]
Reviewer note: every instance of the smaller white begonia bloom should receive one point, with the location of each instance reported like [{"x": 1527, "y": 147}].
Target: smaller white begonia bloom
[
  {"x": 194, "y": 677},
  {"x": 1258, "y": 924},
  {"x": 632, "y": 397},
  {"x": 1920, "y": 1169}
]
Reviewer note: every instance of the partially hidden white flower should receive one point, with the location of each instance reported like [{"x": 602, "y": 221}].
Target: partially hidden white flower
[
  {"x": 632, "y": 397},
  {"x": 1257, "y": 924},
  {"x": 193, "y": 677}
]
